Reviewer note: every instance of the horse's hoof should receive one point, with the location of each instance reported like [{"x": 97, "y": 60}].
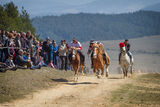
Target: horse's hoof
[
  {"x": 98, "y": 76},
  {"x": 103, "y": 77},
  {"x": 107, "y": 75}
]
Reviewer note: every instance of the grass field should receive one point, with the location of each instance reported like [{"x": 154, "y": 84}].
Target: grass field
[
  {"x": 141, "y": 91},
  {"x": 17, "y": 84}
]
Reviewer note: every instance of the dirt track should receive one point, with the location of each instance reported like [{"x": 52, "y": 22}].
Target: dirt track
[{"x": 87, "y": 92}]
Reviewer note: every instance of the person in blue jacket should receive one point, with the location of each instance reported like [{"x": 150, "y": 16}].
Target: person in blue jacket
[{"x": 54, "y": 52}]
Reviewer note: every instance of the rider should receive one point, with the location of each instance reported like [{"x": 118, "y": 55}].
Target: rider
[
  {"x": 76, "y": 44},
  {"x": 127, "y": 47},
  {"x": 90, "y": 51}
]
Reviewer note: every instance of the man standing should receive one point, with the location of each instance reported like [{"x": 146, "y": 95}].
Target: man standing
[
  {"x": 46, "y": 50},
  {"x": 62, "y": 49}
]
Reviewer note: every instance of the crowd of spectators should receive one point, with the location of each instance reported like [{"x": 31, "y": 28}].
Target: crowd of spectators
[{"x": 23, "y": 51}]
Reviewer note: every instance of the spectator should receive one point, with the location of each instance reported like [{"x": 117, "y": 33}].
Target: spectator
[
  {"x": 62, "y": 50},
  {"x": 24, "y": 41},
  {"x": 46, "y": 50},
  {"x": 55, "y": 52},
  {"x": 10, "y": 64},
  {"x": 20, "y": 61}
]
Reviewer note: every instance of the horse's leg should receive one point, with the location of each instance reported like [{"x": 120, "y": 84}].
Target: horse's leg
[
  {"x": 107, "y": 73},
  {"x": 94, "y": 71},
  {"x": 76, "y": 73},
  {"x": 102, "y": 71},
  {"x": 82, "y": 67},
  {"x": 131, "y": 69},
  {"x": 124, "y": 71}
]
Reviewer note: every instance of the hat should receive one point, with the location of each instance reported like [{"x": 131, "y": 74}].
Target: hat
[
  {"x": 53, "y": 41},
  {"x": 62, "y": 40},
  {"x": 121, "y": 44},
  {"x": 92, "y": 41},
  {"x": 74, "y": 39},
  {"x": 126, "y": 39},
  {"x": 47, "y": 38},
  {"x": 20, "y": 50}
]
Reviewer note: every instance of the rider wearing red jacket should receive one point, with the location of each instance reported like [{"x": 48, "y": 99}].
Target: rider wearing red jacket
[{"x": 127, "y": 47}]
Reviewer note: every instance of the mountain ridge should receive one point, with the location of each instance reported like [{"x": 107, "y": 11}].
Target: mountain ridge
[
  {"x": 154, "y": 7},
  {"x": 98, "y": 26}
]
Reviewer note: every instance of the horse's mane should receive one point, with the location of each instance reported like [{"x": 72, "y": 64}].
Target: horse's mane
[{"x": 100, "y": 47}]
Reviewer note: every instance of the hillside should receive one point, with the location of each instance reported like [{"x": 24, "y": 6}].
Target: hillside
[{"x": 98, "y": 26}]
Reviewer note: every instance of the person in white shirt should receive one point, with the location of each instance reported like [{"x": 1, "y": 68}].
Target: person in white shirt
[
  {"x": 76, "y": 44},
  {"x": 62, "y": 50}
]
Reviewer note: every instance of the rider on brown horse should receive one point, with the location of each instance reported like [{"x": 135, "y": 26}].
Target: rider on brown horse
[
  {"x": 90, "y": 51},
  {"x": 76, "y": 44}
]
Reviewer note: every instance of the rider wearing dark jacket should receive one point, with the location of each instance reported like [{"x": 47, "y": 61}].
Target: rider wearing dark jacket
[{"x": 127, "y": 46}]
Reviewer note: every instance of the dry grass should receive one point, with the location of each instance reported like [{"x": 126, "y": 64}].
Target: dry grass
[
  {"x": 143, "y": 91},
  {"x": 17, "y": 84}
]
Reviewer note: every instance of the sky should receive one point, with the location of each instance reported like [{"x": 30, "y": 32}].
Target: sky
[{"x": 58, "y": 7}]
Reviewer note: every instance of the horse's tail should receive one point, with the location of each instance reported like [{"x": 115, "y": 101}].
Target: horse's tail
[{"x": 108, "y": 59}]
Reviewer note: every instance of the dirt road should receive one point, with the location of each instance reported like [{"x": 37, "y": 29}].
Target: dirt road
[{"x": 87, "y": 92}]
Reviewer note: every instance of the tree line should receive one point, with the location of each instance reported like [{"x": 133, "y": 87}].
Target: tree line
[
  {"x": 85, "y": 26},
  {"x": 12, "y": 19}
]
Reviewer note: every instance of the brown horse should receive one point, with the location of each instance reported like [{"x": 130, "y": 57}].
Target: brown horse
[
  {"x": 76, "y": 63},
  {"x": 98, "y": 60}
]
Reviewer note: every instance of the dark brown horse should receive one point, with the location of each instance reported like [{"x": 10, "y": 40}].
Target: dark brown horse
[
  {"x": 76, "y": 63},
  {"x": 98, "y": 60}
]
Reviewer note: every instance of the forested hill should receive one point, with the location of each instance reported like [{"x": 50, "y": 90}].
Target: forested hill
[{"x": 85, "y": 26}]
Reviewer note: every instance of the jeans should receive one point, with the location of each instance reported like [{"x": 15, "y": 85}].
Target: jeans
[
  {"x": 55, "y": 59},
  {"x": 63, "y": 62}
]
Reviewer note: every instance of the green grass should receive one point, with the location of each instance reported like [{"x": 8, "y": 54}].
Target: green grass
[
  {"x": 144, "y": 90},
  {"x": 17, "y": 84}
]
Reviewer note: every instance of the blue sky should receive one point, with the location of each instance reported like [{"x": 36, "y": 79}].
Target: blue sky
[{"x": 58, "y": 7}]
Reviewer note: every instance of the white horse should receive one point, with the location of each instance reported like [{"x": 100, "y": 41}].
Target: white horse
[{"x": 125, "y": 62}]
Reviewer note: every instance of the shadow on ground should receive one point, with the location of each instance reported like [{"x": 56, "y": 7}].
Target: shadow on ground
[
  {"x": 60, "y": 80},
  {"x": 115, "y": 78},
  {"x": 78, "y": 83}
]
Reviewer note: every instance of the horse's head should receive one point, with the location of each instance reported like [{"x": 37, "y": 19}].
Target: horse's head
[
  {"x": 74, "y": 53},
  {"x": 123, "y": 50},
  {"x": 95, "y": 51}
]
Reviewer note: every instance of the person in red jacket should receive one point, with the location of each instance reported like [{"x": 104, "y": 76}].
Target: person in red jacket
[{"x": 127, "y": 47}]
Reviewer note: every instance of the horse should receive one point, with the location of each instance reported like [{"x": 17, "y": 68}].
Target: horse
[
  {"x": 76, "y": 63},
  {"x": 98, "y": 60},
  {"x": 125, "y": 62}
]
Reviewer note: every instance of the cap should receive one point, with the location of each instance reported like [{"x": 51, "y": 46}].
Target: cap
[
  {"x": 126, "y": 39},
  {"x": 121, "y": 44},
  {"x": 47, "y": 38}
]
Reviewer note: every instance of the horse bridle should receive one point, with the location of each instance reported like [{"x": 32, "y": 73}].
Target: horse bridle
[
  {"x": 73, "y": 54},
  {"x": 94, "y": 51}
]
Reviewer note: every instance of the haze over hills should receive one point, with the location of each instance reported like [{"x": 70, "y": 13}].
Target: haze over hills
[
  {"x": 98, "y": 26},
  {"x": 58, "y": 7},
  {"x": 154, "y": 7}
]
